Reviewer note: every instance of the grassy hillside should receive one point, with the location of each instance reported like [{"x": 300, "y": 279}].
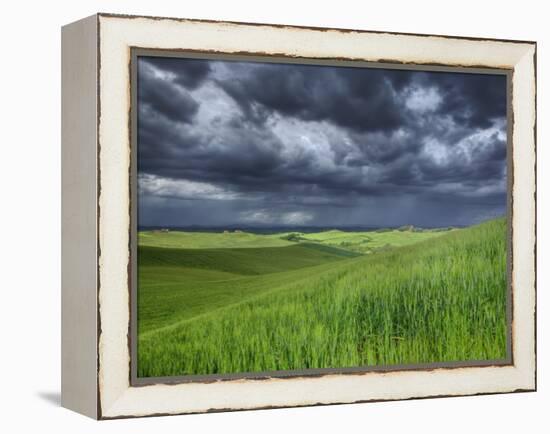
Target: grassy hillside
[
  {"x": 243, "y": 260},
  {"x": 367, "y": 242},
  {"x": 210, "y": 240},
  {"x": 176, "y": 284},
  {"x": 441, "y": 299},
  {"x": 360, "y": 242}
]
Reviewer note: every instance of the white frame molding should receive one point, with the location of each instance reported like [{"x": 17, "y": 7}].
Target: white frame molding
[{"x": 96, "y": 215}]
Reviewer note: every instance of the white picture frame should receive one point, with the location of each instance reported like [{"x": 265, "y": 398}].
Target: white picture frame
[{"x": 97, "y": 224}]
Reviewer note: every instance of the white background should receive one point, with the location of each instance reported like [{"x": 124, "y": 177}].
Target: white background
[{"x": 30, "y": 217}]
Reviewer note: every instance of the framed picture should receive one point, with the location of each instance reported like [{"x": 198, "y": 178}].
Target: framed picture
[{"x": 260, "y": 216}]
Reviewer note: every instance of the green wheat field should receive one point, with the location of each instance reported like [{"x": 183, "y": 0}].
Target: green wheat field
[{"x": 239, "y": 302}]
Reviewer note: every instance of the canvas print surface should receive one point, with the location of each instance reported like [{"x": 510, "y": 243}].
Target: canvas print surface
[{"x": 300, "y": 217}]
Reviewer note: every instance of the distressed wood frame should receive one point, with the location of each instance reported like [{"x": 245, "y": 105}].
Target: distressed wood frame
[{"x": 96, "y": 211}]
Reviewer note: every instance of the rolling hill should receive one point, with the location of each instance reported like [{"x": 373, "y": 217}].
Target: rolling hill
[{"x": 308, "y": 305}]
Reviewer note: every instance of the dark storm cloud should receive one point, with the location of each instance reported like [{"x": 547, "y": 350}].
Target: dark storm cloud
[
  {"x": 471, "y": 99},
  {"x": 271, "y": 143},
  {"x": 484, "y": 163},
  {"x": 189, "y": 74},
  {"x": 164, "y": 84},
  {"x": 161, "y": 96},
  {"x": 247, "y": 155},
  {"x": 344, "y": 96}
]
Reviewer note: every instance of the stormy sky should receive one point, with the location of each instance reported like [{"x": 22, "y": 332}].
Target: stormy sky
[{"x": 267, "y": 144}]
